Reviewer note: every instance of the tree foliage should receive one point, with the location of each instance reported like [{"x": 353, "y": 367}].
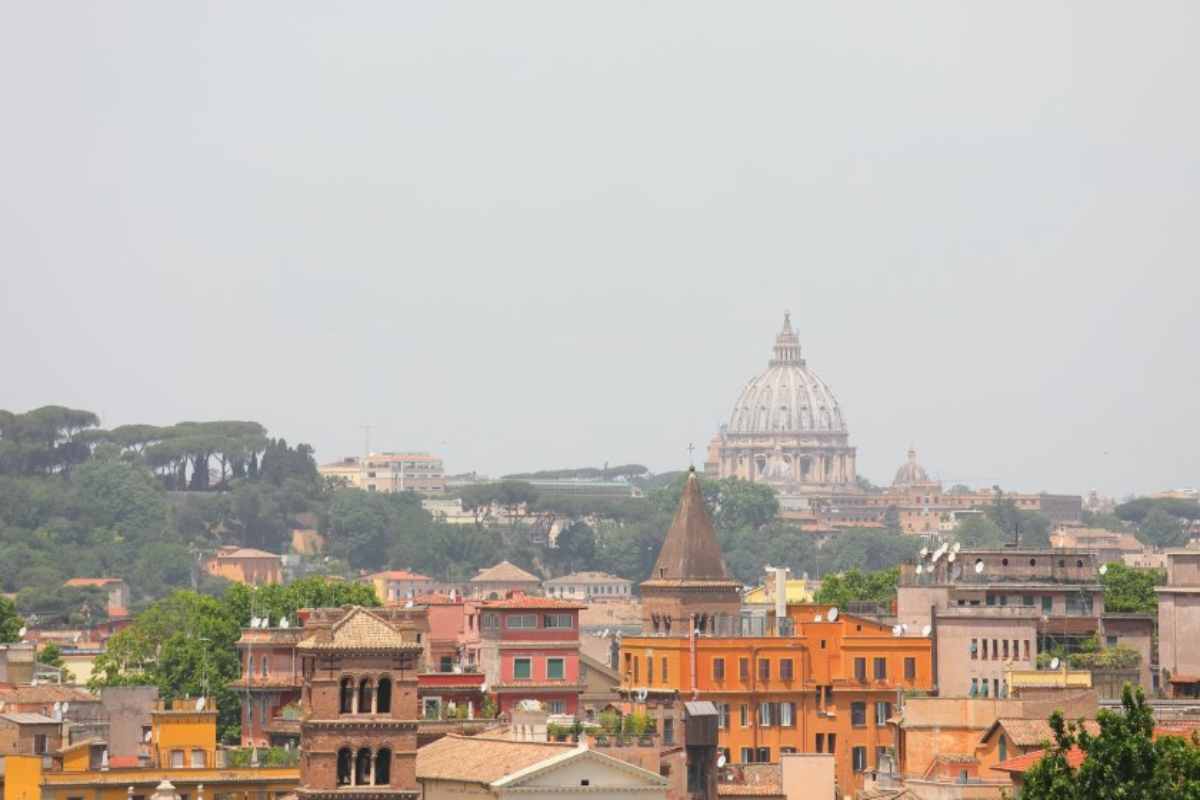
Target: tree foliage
[
  {"x": 10, "y": 622},
  {"x": 1128, "y": 589},
  {"x": 856, "y": 586},
  {"x": 1122, "y": 762}
]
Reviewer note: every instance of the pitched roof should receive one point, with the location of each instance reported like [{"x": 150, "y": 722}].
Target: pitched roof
[
  {"x": 1031, "y": 732},
  {"x": 690, "y": 553},
  {"x": 589, "y": 576},
  {"x": 400, "y": 575},
  {"x": 1022, "y": 764},
  {"x": 23, "y": 718},
  {"x": 505, "y": 571},
  {"x": 92, "y": 581},
  {"x": 473, "y": 759},
  {"x": 359, "y": 629},
  {"x": 244, "y": 552},
  {"x": 45, "y": 693}
]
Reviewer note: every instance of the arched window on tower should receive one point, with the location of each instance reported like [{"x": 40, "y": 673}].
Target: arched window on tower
[
  {"x": 362, "y": 768},
  {"x": 383, "y": 767},
  {"x": 346, "y": 696},
  {"x": 364, "y": 696},
  {"x": 345, "y": 764},
  {"x": 383, "y": 696}
]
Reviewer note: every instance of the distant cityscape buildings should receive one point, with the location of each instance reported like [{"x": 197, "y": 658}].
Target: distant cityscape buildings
[{"x": 390, "y": 472}]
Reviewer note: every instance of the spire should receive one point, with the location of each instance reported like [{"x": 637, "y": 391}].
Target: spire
[
  {"x": 690, "y": 551},
  {"x": 787, "y": 344}
]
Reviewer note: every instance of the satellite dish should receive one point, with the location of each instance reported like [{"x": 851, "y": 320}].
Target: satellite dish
[
  {"x": 817, "y": 618},
  {"x": 642, "y": 694},
  {"x": 1104, "y": 569},
  {"x": 904, "y": 627},
  {"x": 924, "y": 551},
  {"x": 936, "y": 555},
  {"x": 919, "y": 569},
  {"x": 66, "y": 706},
  {"x": 978, "y": 567},
  {"x": 897, "y": 630},
  {"x": 283, "y": 623},
  {"x": 1054, "y": 662},
  {"x": 605, "y": 634},
  {"x": 22, "y": 632},
  {"x": 951, "y": 557},
  {"x": 254, "y": 622},
  {"x": 199, "y": 703},
  {"x": 833, "y": 614},
  {"x": 957, "y": 546},
  {"x": 928, "y": 629},
  {"x": 720, "y": 761},
  {"x": 146, "y": 738},
  {"x": 483, "y": 688},
  {"x": 76, "y": 638}
]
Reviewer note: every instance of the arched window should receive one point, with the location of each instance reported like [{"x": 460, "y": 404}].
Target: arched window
[
  {"x": 362, "y": 768},
  {"x": 383, "y": 697},
  {"x": 344, "y": 766},
  {"x": 265, "y": 669},
  {"x": 383, "y": 767},
  {"x": 346, "y": 702},
  {"x": 364, "y": 696}
]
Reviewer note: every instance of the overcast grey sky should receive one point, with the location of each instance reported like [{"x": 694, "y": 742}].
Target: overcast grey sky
[{"x": 533, "y": 235}]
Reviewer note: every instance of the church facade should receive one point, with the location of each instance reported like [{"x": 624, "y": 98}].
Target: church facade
[{"x": 786, "y": 429}]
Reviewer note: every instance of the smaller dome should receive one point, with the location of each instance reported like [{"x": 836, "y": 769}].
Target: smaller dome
[{"x": 910, "y": 472}]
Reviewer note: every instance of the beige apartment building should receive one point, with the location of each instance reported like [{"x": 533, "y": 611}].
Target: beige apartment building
[
  {"x": 1179, "y": 624},
  {"x": 390, "y": 472}
]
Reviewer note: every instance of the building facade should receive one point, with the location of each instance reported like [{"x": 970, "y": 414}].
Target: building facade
[
  {"x": 245, "y": 565},
  {"x": 390, "y": 472},
  {"x": 399, "y": 585},
  {"x": 529, "y": 650},
  {"x": 589, "y": 587},
  {"x": 270, "y": 686},
  {"x": 493, "y": 583},
  {"x": 786, "y": 429},
  {"x": 1179, "y": 624},
  {"x": 360, "y": 716}
]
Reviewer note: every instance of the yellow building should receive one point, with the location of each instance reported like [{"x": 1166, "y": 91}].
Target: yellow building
[
  {"x": 183, "y": 751},
  {"x": 798, "y": 590},
  {"x": 390, "y": 472}
]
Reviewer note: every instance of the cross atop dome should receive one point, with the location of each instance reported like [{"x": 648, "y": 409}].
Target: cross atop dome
[{"x": 787, "y": 344}]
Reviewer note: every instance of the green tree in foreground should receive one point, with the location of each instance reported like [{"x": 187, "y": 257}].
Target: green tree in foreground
[
  {"x": 10, "y": 623},
  {"x": 1122, "y": 762},
  {"x": 1131, "y": 589},
  {"x": 281, "y": 601},
  {"x": 854, "y": 586}
]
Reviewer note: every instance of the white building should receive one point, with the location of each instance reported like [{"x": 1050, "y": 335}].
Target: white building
[{"x": 588, "y": 587}]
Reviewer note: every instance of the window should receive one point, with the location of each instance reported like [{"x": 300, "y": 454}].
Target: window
[
  {"x": 555, "y": 670},
  {"x": 649, "y": 670},
  {"x": 1110, "y": 641},
  {"x": 265, "y": 670},
  {"x": 764, "y": 755},
  {"x": 1005, "y": 643},
  {"x": 787, "y": 715},
  {"x": 985, "y": 655},
  {"x": 1003, "y": 748},
  {"x": 880, "y": 756},
  {"x": 177, "y": 759},
  {"x": 447, "y": 664},
  {"x": 764, "y": 714},
  {"x": 860, "y": 670},
  {"x": 764, "y": 669},
  {"x": 557, "y": 707},
  {"x": 744, "y": 668},
  {"x": 860, "y": 759},
  {"x": 522, "y": 668},
  {"x": 346, "y": 704},
  {"x": 491, "y": 621},
  {"x": 664, "y": 669},
  {"x": 974, "y": 649},
  {"x": 819, "y": 747},
  {"x": 636, "y": 662},
  {"x": 910, "y": 669},
  {"x": 828, "y": 695},
  {"x": 858, "y": 714},
  {"x": 718, "y": 669},
  {"x": 383, "y": 767},
  {"x": 785, "y": 669},
  {"x": 668, "y": 733},
  {"x": 744, "y": 715},
  {"x": 974, "y": 687},
  {"x": 783, "y": 751},
  {"x": 880, "y": 669},
  {"x": 747, "y": 755},
  {"x": 883, "y": 710},
  {"x": 197, "y": 758},
  {"x": 39, "y": 744},
  {"x": 1026, "y": 649},
  {"x": 1027, "y": 600},
  {"x": 383, "y": 696},
  {"x": 832, "y": 739},
  {"x": 984, "y": 685},
  {"x": 723, "y": 716},
  {"x": 557, "y": 621},
  {"x": 521, "y": 621},
  {"x": 1047, "y": 604},
  {"x": 822, "y": 644}
]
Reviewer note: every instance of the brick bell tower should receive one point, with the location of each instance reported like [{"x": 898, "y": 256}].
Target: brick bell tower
[
  {"x": 358, "y": 738},
  {"x": 690, "y": 583}
]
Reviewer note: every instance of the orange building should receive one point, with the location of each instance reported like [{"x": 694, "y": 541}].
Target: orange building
[
  {"x": 245, "y": 565},
  {"x": 804, "y": 683}
]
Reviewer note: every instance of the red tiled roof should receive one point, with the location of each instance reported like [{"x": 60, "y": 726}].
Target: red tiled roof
[
  {"x": 504, "y": 572},
  {"x": 92, "y": 581},
  {"x": 481, "y": 760},
  {"x": 400, "y": 575},
  {"x": 524, "y": 601},
  {"x": 1032, "y": 732},
  {"x": 1022, "y": 764}
]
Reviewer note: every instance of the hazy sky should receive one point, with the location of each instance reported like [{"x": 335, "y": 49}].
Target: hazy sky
[{"x": 533, "y": 235}]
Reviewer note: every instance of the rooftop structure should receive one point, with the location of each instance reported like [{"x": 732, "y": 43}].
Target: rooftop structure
[{"x": 390, "y": 472}]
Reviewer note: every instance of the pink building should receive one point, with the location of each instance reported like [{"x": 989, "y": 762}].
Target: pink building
[
  {"x": 269, "y": 686},
  {"x": 530, "y": 651}
]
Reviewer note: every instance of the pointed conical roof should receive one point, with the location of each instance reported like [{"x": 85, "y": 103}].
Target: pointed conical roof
[{"x": 690, "y": 552}]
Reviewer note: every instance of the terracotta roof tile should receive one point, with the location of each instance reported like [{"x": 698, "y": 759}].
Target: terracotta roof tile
[
  {"x": 475, "y": 759},
  {"x": 505, "y": 571},
  {"x": 400, "y": 575},
  {"x": 46, "y": 693},
  {"x": 359, "y": 629},
  {"x": 1033, "y": 732},
  {"x": 1021, "y": 764}
]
